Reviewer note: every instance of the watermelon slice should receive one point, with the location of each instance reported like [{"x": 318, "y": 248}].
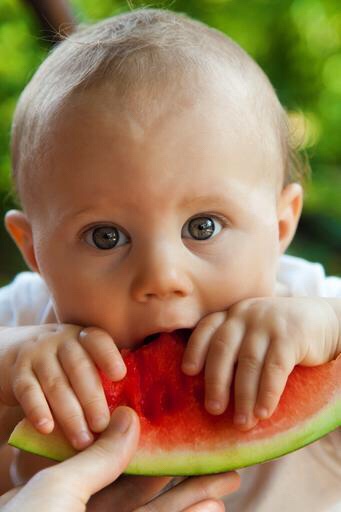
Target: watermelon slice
[{"x": 178, "y": 436}]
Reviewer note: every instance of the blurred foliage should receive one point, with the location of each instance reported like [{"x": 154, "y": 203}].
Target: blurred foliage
[{"x": 296, "y": 42}]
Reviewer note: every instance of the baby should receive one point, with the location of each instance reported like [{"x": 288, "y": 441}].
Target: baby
[{"x": 152, "y": 161}]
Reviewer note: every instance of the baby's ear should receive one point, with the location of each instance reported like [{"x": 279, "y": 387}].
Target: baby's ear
[
  {"x": 289, "y": 211},
  {"x": 19, "y": 227}
]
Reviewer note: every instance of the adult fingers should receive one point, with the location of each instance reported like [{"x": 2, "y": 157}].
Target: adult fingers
[
  {"x": 192, "y": 491},
  {"x": 68, "y": 486},
  {"x": 206, "y": 506},
  {"x": 101, "y": 463},
  {"x": 4, "y": 498},
  {"x": 127, "y": 493}
]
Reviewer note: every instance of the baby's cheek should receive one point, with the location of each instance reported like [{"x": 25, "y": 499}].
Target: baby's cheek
[{"x": 24, "y": 465}]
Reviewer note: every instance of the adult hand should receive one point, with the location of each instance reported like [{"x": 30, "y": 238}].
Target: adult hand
[
  {"x": 141, "y": 494},
  {"x": 67, "y": 487}
]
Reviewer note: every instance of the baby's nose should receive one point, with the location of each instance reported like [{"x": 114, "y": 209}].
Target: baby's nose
[{"x": 161, "y": 274}]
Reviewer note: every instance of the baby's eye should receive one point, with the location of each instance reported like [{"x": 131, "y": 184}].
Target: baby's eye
[
  {"x": 105, "y": 237},
  {"x": 202, "y": 228}
]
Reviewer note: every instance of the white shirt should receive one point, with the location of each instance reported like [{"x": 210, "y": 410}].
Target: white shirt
[{"x": 308, "y": 480}]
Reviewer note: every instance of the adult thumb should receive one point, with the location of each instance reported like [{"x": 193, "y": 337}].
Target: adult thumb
[{"x": 101, "y": 463}]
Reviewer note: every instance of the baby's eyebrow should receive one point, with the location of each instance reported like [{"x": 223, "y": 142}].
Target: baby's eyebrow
[
  {"x": 211, "y": 200},
  {"x": 225, "y": 202},
  {"x": 71, "y": 215},
  {"x": 201, "y": 202}
]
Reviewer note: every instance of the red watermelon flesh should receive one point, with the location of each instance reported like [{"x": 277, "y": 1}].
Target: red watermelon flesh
[{"x": 178, "y": 435}]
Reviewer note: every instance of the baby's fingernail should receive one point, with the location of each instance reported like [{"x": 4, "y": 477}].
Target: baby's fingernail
[
  {"x": 261, "y": 413},
  {"x": 214, "y": 406},
  {"x": 44, "y": 424},
  {"x": 189, "y": 367},
  {"x": 240, "y": 419},
  {"x": 82, "y": 440},
  {"x": 122, "y": 419},
  {"x": 119, "y": 370},
  {"x": 99, "y": 423},
  {"x": 213, "y": 507}
]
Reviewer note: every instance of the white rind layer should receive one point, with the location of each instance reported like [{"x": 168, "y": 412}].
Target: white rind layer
[{"x": 191, "y": 462}]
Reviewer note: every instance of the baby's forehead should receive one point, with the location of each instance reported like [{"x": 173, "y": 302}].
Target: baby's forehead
[
  {"x": 243, "y": 95},
  {"x": 234, "y": 90},
  {"x": 204, "y": 121},
  {"x": 221, "y": 101},
  {"x": 208, "y": 123}
]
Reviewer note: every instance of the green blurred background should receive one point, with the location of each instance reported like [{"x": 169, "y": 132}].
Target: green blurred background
[{"x": 297, "y": 43}]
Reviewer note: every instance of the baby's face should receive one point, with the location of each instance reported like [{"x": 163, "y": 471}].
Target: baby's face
[{"x": 150, "y": 221}]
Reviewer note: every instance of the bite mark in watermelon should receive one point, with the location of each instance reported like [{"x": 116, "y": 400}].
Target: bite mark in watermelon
[{"x": 178, "y": 435}]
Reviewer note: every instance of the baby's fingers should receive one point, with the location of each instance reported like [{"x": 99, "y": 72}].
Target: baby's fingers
[
  {"x": 198, "y": 343},
  {"x": 29, "y": 394},
  {"x": 103, "y": 351},
  {"x": 85, "y": 381},
  {"x": 63, "y": 402},
  {"x": 221, "y": 357},
  {"x": 277, "y": 368},
  {"x": 248, "y": 374}
]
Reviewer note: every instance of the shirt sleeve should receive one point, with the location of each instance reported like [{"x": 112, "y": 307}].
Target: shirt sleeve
[
  {"x": 304, "y": 278},
  {"x": 23, "y": 301}
]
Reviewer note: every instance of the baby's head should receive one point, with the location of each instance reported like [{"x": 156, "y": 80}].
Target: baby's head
[{"x": 152, "y": 160}]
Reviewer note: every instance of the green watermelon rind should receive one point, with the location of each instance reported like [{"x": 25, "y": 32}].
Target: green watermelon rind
[
  {"x": 239, "y": 455},
  {"x": 189, "y": 462},
  {"x": 53, "y": 446}
]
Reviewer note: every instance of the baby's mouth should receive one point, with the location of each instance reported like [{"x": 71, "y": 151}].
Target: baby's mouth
[
  {"x": 182, "y": 333},
  {"x": 151, "y": 337}
]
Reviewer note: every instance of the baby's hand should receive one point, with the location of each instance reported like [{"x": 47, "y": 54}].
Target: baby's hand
[
  {"x": 50, "y": 369},
  {"x": 266, "y": 337}
]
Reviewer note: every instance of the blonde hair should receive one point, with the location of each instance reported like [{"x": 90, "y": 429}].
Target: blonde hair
[{"x": 137, "y": 47}]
